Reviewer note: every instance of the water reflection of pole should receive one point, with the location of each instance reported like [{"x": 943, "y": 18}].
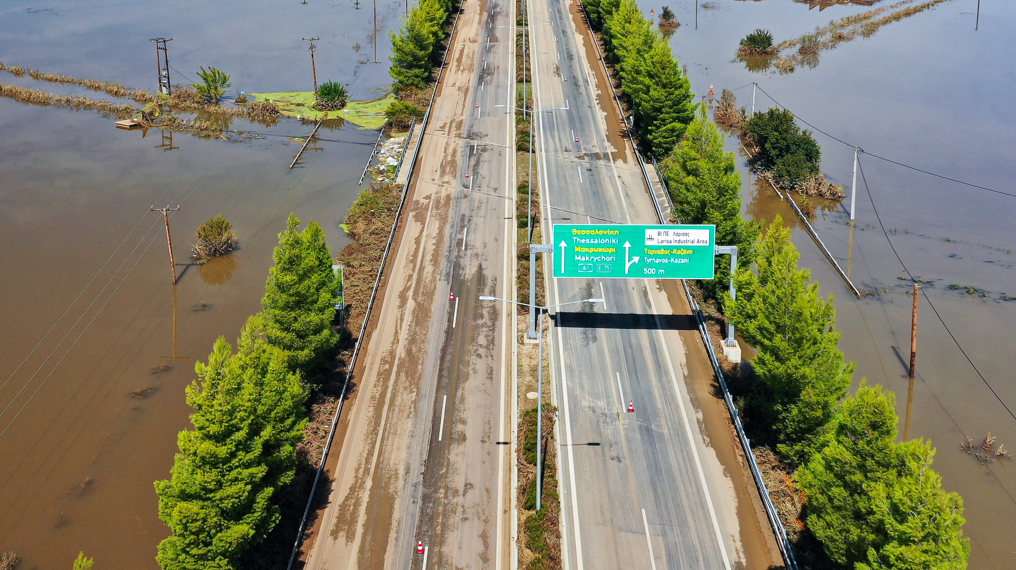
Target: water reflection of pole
[
  {"x": 753, "y": 84},
  {"x": 375, "y": 32},
  {"x": 977, "y": 23},
  {"x": 175, "y": 357},
  {"x": 696, "y": 13},
  {"x": 853, "y": 189}
]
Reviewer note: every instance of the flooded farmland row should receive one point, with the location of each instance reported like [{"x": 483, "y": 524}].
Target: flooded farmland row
[
  {"x": 89, "y": 414},
  {"x": 927, "y": 91}
]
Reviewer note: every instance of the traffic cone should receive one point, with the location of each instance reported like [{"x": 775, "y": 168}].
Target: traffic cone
[
  {"x": 451, "y": 296},
  {"x": 419, "y": 547},
  {"x": 467, "y": 175},
  {"x": 576, "y": 139},
  {"x": 631, "y": 405}
]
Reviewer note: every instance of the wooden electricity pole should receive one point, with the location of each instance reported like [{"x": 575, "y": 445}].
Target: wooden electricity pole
[
  {"x": 162, "y": 63},
  {"x": 169, "y": 238},
  {"x": 312, "y": 65},
  {"x": 913, "y": 337}
]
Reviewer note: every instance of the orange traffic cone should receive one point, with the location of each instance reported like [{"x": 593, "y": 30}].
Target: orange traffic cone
[
  {"x": 419, "y": 547},
  {"x": 631, "y": 405}
]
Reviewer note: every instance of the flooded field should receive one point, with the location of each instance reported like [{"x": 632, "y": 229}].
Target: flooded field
[
  {"x": 97, "y": 345},
  {"x": 931, "y": 92}
]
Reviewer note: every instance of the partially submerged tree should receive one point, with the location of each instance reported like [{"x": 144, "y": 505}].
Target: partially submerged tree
[
  {"x": 213, "y": 86},
  {"x": 249, "y": 416},
  {"x": 331, "y": 96},
  {"x": 782, "y": 148},
  {"x": 876, "y": 504},
  {"x": 759, "y": 42},
  {"x": 215, "y": 237}
]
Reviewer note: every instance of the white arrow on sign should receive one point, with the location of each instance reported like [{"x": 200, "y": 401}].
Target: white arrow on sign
[
  {"x": 628, "y": 263},
  {"x": 563, "y": 246}
]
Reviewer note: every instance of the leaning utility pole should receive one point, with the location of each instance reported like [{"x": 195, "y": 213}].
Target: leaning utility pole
[
  {"x": 169, "y": 238},
  {"x": 162, "y": 62},
  {"x": 312, "y": 65}
]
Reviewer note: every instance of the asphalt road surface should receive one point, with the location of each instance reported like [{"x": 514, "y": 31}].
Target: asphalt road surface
[
  {"x": 426, "y": 451},
  {"x": 642, "y": 489}
]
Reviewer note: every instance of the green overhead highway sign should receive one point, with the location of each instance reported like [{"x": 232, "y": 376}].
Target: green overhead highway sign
[{"x": 605, "y": 251}]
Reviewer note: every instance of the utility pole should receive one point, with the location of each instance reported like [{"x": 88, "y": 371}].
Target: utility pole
[
  {"x": 753, "y": 84},
  {"x": 312, "y": 65},
  {"x": 162, "y": 63},
  {"x": 913, "y": 365},
  {"x": 853, "y": 189},
  {"x": 977, "y": 24},
  {"x": 169, "y": 238},
  {"x": 375, "y": 32},
  {"x": 913, "y": 337}
]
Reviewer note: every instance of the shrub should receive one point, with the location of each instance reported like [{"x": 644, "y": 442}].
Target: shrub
[
  {"x": 9, "y": 560},
  {"x": 83, "y": 562},
  {"x": 666, "y": 14},
  {"x": 790, "y": 154},
  {"x": 215, "y": 237},
  {"x": 401, "y": 114},
  {"x": 331, "y": 96},
  {"x": 759, "y": 42},
  {"x": 213, "y": 86}
]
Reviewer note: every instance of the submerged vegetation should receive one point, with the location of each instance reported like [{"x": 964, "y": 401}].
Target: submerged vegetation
[
  {"x": 223, "y": 497},
  {"x": 215, "y": 237},
  {"x": 829, "y": 37},
  {"x": 213, "y": 84},
  {"x": 331, "y": 96},
  {"x": 759, "y": 42}
]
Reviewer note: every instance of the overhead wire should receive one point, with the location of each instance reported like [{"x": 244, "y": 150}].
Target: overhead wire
[
  {"x": 928, "y": 299},
  {"x": 193, "y": 187},
  {"x": 921, "y": 170}
]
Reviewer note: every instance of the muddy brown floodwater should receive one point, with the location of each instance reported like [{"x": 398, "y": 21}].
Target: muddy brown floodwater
[
  {"x": 931, "y": 92},
  {"x": 96, "y": 345}
]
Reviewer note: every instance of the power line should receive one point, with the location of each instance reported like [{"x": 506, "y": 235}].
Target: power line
[
  {"x": 182, "y": 75},
  {"x": 921, "y": 170},
  {"x": 928, "y": 299}
]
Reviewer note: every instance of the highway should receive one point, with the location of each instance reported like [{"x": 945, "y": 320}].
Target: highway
[
  {"x": 425, "y": 448},
  {"x": 649, "y": 492}
]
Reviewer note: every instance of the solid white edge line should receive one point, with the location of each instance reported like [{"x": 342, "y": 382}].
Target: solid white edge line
[
  {"x": 603, "y": 296},
  {"x": 455, "y": 315},
  {"x": 649, "y": 541},
  {"x": 440, "y": 433},
  {"x": 426, "y": 551},
  {"x": 687, "y": 430},
  {"x": 619, "y": 391},
  {"x": 464, "y": 232},
  {"x": 508, "y": 284},
  {"x": 579, "y": 168}
]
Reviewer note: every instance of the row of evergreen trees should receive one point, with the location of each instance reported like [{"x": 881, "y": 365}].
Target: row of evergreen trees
[
  {"x": 660, "y": 94},
  {"x": 872, "y": 503},
  {"x": 249, "y": 413},
  {"x": 416, "y": 46}
]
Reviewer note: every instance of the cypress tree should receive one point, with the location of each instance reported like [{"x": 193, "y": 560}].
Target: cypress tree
[
  {"x": 249, "y": 416},
  {"x": 299, "y": 301},
  {"x": 706, "y": 189},
  {"x": 875, "y": 504},
  {"x": 801, "y": 373}
]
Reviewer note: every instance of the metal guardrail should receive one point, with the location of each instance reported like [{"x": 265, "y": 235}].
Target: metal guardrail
[
  {"x": 771, "y": 513},
  {"x": 405, "y": 148},
  {"x": 372, "y": 153},
  {"x": 370, "y": 306}
]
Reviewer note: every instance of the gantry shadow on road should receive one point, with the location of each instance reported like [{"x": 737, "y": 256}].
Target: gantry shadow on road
[{"x": 625, "y": 321}]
